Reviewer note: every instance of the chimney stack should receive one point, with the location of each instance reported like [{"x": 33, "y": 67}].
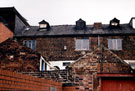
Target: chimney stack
[{"x": 97, "y": 25}]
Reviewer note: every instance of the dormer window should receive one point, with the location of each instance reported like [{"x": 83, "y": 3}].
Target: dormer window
[
  {"x": 114, "y": 23},
  {"x": 43, "y": 25},
  {"x": 80, "y": 24},
  {"x": 132, "y": 22}
]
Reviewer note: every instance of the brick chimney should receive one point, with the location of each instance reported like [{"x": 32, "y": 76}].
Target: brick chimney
[{"x": 97, "y": 25}]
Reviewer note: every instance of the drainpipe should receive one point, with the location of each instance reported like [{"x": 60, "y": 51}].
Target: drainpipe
[
  {"x": 101, "y": 60},
  {"x": 98, "y": 40},
  {"x": 101, "y": 55}
]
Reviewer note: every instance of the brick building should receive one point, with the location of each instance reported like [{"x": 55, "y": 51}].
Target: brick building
[
  {"x": 64, "y": 44},
  {"x": 18, "y": 58},
  {"x": 87, "y": 71},
  {"x": 95, "y": 51},
  {"x": 12, "y": 19}
]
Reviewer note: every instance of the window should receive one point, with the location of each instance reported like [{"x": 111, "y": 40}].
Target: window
[
  {"x": 42, "y": 64},
  {"x": 115, "y": 44},
  {"x": 66, "y": 63},
  {"x": 30, "y": 43},
  {"x": 82, "y": 44},
  {"x": 114, "y": 24}
]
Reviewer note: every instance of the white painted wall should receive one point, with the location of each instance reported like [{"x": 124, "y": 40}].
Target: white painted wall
[
  {"x": 59, "y": 64},
  {"x": 131, "y": 63}
]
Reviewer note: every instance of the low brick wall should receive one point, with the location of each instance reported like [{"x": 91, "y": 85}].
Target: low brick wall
[
  {"x": 70, "y": 88},
  {"x": 59, "y": 76},
  {"x": 10, "y": 81}
]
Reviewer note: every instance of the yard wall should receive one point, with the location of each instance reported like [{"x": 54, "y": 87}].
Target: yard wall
[{"x": 14, "y": 81}]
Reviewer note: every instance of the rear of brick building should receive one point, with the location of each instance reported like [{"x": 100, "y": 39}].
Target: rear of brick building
[
  {"x": 89, "y": 52},
  {"x": 66, "y": 43}
]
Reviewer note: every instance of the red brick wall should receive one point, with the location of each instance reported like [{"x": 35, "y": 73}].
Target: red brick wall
[
  {"x": 70, "y": 88},
  {"x": 5, "y": 33},
  {"x": 85, "y": 69},
  {"x": 15, "y": 82}
]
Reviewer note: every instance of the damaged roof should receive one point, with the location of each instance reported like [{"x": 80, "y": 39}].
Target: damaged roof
[
  {"x": 15, "y": 57},
  {"x": 60, "y": 30},
  {"x": 104, "y": 60}
]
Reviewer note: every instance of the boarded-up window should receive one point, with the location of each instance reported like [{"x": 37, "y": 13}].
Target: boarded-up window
[
  {"x": 30, "y": 43},
  {"x": 115, "y": 44},
  {"x": 82, "y": 44}
]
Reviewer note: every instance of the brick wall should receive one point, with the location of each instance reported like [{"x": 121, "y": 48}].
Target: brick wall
[
  {"x": 84, "y": 71},
  {"x": 15, "y": 57},
  {"x": 10, "y": 81},
  {"x": 128, "y": 49},
  {"x": 59, "y": 76},
  {"x": 53, "y": 47},
  {"x": 70, "y": 88},
  {"x": 5, "y": 33}
]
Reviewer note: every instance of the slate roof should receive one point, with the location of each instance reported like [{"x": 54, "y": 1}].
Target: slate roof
[
  {"x": 61, "y": 30},
  {"x": 13, "y": 9}
]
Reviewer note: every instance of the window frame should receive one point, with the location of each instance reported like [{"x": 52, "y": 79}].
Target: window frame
[
  {"x": 29, "y": 44},
  {"x": 42, "y": 66},
  {"x": 116, "y": 44},
  {"x": 83, "y": 47}
]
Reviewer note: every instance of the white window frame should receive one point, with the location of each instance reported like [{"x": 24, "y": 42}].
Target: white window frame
[
  {"x": 42, "y": 61},
  {"x": 114, "y": 44},
  {"x": 82, "y": 46}
]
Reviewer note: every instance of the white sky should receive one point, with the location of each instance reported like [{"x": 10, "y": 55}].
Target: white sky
[{"x": 58, "y": 12}]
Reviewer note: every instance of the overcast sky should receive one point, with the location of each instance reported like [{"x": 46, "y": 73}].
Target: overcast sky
[{"x": 58, "y": 12}]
